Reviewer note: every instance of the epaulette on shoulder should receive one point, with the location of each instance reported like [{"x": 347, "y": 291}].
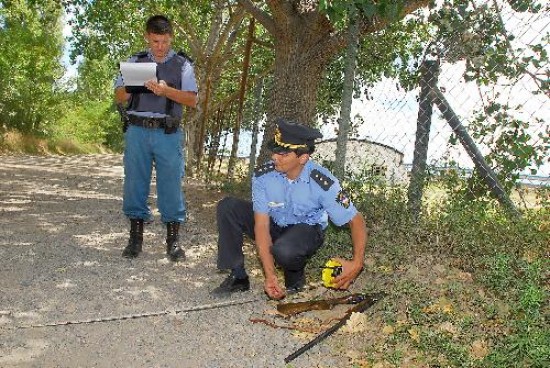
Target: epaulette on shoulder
[
  {"x": 324, "y": 181},
  {"x": 185, "y": 56},
  {"x": 264, "y": 169}
]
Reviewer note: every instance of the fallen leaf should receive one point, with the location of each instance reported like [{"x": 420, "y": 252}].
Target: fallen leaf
[
  {"x": 357, "y": 322},
  {"x": 442, "y": 305},
  {"x": 465, "y": 276},
  {"x": 415, "y": 334},
  {"x": 479, "y": 349},
  {"x": 401, "y": 322},
  {"x": 448, "y": 327},
  {"x": 388, "y": 330},
  {"x": 384, "y": 269}
]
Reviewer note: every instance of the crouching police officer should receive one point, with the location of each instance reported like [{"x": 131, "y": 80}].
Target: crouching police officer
[
  {"x": 292, "y": 200},
  {"x": 153, "y": 136}
]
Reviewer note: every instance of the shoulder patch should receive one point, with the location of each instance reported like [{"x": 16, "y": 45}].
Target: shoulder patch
[
  {"x": 324, "y": 181},
  {"x": 343, "y": 199},
  {"x": 264, "y": 169}
]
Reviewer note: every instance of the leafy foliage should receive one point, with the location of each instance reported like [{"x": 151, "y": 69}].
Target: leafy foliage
[
  {"x": 506, "y": 258},
  {"x": 31, "y": 43}
]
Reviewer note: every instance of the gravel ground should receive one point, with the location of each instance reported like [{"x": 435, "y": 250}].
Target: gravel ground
[{"x": 60, "y": 245}]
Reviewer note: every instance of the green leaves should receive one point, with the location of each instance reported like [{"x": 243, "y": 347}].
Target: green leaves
[
  {"x": 525, "y": 5},
  {"x": 510, "y": 141},
  {"x": 338, "y": 11},
  {"x": 31, "y": 40}
]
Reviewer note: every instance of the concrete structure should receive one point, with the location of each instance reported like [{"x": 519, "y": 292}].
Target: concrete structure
[{"x": 364, "y": 157}]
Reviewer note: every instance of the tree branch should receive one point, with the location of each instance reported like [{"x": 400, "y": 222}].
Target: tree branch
[
  {"x": 261, "y": 16},
  {"x": 229, "y": 29},
  {"x": 366, "y": 26}
]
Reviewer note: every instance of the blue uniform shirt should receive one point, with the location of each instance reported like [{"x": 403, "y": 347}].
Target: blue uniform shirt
[{"x": 312, "y": 198}]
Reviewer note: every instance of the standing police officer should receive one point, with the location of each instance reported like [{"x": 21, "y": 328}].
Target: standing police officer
[
  {"x": 292, "y": 200},
  {"x": 153, "y": 136}
]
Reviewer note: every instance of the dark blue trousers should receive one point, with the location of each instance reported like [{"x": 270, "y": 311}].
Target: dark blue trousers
[{"x": 292, "y": 245}]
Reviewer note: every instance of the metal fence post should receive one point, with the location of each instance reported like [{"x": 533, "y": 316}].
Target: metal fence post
[{"x": 483, "y": 168}]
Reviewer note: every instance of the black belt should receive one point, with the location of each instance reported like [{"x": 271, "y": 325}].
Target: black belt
[{"x": 146, "y": 122}]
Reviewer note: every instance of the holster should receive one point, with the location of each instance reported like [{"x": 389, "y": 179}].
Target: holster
[
  {"x": 171, "y": 125},
  {"x": 123, "y": 117}
]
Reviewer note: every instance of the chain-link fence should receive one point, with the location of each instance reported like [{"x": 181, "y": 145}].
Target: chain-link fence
[
  {"x": 493, "y": 133},
  {"x": 495, "y": 136}
]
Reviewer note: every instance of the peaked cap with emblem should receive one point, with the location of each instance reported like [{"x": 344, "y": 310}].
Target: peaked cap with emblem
[{"x": 290, "y": 136}]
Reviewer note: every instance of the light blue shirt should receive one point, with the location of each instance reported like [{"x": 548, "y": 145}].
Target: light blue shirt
[{"x": 303, "y": 200}]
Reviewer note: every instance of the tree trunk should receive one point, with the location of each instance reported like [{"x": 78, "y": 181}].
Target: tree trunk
[
  {"x": 294, "y": 93},
  {"x": 305, "y": 41},
  {"x": 428, "y": 80},
  {"x": 255, "y": 126},
  {"x": 212, "y": 55},
  {"x": 214, "y": 142},
  {"x": 347, "y": 99},
  {"x": 238, "y": 121}
]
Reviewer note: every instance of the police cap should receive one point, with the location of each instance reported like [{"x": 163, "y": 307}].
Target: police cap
[{"x": 291, "y": 136}]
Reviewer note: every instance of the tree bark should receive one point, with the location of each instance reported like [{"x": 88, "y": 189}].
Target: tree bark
[
  {"x": 255, "y": 126},
  {"x": 305, "y": 42},
  {"x": 428, "y": 80},
  {"x": 347, "y": 99},
  {"x": 212, "y": 57},
  {"x": 242, "y": 91}
]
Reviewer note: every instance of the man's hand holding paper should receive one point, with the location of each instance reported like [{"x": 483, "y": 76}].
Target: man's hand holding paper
[{"x": 158, "y": 88}]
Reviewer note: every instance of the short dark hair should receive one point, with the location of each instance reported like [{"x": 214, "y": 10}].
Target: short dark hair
[{"x": 159, "y": 24}]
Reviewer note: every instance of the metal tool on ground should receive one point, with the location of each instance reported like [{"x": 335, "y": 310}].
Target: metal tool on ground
[
  {"x": 290, "y": 309},
  {"x": 358, "y": 308},
  {"x": 147, "y": 314}
]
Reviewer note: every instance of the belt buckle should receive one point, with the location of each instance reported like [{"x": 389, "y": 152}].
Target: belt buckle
[{"x": 150, "y": 123}]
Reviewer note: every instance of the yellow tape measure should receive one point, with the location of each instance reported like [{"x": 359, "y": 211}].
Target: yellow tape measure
[{"x": 331, "y": 270}]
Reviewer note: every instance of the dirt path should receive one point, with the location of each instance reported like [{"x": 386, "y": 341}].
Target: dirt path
[{"x": 60, "y": 244}]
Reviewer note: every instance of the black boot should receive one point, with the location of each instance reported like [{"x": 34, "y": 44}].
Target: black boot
[
  {"x": 294, "y": 281},
  {"x": 173, "y": 250},
  {"x": 135, "y": 242}
]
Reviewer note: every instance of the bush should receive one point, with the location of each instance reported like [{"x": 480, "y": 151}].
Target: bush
[{"x": 93, "y": 122}]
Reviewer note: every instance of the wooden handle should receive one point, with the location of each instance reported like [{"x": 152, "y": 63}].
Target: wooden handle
[{"x": 291, "y": 309}]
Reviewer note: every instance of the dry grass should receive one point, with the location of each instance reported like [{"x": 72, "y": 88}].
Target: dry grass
[{"x": 13, "y": 142}]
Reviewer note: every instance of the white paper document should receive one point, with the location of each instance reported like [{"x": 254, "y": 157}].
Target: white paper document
[{"x": 136, "y": 74}]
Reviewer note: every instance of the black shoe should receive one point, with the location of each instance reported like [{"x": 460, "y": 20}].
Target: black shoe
[
  {"x": 294, "y": 281},
  {"x": 175, "y": 253},
  {"x": 173, "y": 250},
  {"x": 294, "y": 290},
  {"x": 132, "y": 250},
  {"x": 232, "y": 284},
  {"x": 135, "y": 243}
]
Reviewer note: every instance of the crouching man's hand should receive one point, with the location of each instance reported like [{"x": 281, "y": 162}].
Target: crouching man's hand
[{"x": 350, "y": 271}]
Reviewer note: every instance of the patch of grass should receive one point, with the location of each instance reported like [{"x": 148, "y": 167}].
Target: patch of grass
[
  {"x": 13, "y": 142},
  {"x": 394, "y": 357},
  {"x": 467, "y": 284},
  {"x": 528, "y": 347},
  {"x": 455, "y": 354}
]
